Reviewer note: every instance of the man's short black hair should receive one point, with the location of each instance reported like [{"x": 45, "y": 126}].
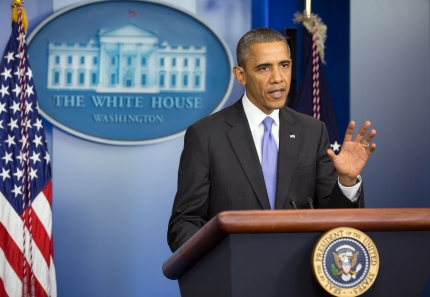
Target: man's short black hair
[{"x": 258, "y": 35}]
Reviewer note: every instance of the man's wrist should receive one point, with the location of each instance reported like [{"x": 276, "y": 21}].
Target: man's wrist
[{"x": 349, "y": 182}]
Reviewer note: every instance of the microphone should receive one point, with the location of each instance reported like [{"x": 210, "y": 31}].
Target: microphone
[
  {"x": 310, "y": 202},
  {"x": 293, "y": 203}
]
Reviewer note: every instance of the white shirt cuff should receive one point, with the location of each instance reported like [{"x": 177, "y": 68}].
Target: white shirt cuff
[{"x": 351, "y": 192}]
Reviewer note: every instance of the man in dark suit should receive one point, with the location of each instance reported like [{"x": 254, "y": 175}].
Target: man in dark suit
[{"x": 224, "y": 163}]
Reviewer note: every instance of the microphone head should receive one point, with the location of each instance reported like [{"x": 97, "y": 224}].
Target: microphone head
[
  {"x": 293, "y": 203},
  {"x": 310, "y": 202}
]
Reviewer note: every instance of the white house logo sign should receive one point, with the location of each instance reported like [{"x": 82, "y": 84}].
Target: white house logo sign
[{"x": 128, "y": 72}]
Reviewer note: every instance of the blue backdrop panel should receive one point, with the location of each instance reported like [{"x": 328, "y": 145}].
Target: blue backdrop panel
[
  {"x": 112, "y": 203},
  {"x": 390, "y": 86}
]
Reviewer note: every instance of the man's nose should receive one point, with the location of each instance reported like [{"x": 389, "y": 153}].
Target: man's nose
[{"x": 276, "y": 76}]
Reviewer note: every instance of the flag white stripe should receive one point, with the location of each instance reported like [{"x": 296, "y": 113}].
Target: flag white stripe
[
  {"x": 53, "y": 292},
  {"x": 11, "y": 221},
  {"x": 12, "y": 283},
  {"x": 13, "y": 225},
  {"x": 43, "y": 211},
  {"x": 40, "y": 268}
]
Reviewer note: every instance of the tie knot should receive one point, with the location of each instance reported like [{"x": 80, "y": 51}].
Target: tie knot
[{"x": 267, "y": 122}]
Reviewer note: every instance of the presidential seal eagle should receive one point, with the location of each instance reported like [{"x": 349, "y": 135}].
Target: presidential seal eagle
[{"x": 345, "y": 262}]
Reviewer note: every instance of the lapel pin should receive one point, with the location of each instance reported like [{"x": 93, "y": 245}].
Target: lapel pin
[{"x": 292, "y": 136}]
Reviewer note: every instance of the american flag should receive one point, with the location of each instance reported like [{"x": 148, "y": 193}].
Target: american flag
[
  {"x": 313, "y": 95},
  {"x": 26, "y": 246}
]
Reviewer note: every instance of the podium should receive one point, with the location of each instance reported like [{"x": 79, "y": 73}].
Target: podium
[{"x": 267, "y": 253}]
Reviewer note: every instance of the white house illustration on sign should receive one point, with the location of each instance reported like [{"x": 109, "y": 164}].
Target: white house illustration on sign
[{"x": 128, "y": 59}]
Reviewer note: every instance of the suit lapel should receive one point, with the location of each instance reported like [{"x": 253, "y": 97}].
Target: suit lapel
[
  {"x": 241, "y": 140},
  {"x": 289, "y": 136}
]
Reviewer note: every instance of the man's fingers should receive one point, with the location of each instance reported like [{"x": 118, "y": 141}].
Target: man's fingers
[
  {"x": 349, "y": 131},
  {"x": 331, "y": 154},
  {"x": 362, "y": 132},
  {"x": 369, "y": 138},
  {"x": 371, "y": 149}
]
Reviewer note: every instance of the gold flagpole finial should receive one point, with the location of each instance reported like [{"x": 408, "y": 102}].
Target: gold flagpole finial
[
  {"x": 308, "y": 8},
  {"x": 314, "y": 25},
  {"x": 19, "y": 4}
]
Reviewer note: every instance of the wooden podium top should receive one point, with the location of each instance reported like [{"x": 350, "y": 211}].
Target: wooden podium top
[{"x": 281, "y": 221}]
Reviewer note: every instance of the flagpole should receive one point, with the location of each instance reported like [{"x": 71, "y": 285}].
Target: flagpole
[{"x": 308, "y": 8}]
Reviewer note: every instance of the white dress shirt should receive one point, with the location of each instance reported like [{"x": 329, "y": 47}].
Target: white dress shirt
[{"x": 255, "y": 118}]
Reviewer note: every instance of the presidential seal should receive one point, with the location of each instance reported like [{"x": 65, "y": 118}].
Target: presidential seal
[{"x": 345, "y": 262}]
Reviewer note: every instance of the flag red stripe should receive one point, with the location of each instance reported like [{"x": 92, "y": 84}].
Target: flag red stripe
[
  {"x": 40, "y": 292},
  {"x": 47, "y": 191},
  {"x": 12, "y": 252},
  {"x": 2, "y": 290},
  {"x": 40, "y": 237}
]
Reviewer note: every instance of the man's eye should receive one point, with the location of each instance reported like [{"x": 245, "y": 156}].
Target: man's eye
[{"x": 285, "y": 65}]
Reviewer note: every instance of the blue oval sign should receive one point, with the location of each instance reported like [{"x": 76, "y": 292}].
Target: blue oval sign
[{"x": 128, "y": 72}]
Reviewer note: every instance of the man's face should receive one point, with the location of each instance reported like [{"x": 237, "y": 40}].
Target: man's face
[{"x": 266, "y": 75}]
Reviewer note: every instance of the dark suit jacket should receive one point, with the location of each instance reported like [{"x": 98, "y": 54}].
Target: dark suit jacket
[{"x": 220, "y": 170}]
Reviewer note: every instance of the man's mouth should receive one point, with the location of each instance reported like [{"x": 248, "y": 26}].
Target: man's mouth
[{"x": 277, "y": 93}]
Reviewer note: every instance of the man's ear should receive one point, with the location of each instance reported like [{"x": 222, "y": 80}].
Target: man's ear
[{"x": 239, "y": 73}]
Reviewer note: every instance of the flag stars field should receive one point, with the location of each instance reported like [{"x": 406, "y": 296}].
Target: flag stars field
[
  {"x": 335, "y": 146},
  {"x": 17, "y": 90},
  {"x": 2, "y": 107},
  {"x": 17, "y": 72},
  {"x": 4, "y": 90},
  {"x": 29, "y": 91},
  {"x": 23, "y": 139},
  {"x": 10, "y": 140},
  {"x": 19, "y": 173},
  {"x": 33, "y": 173},
  {"x": 15, "y": 107},
  {"x": 35, "y": 158},
  {"x": 6, "y": 73},
  {"x": 38, "y": 124},
  {"x": 13, "y": 124},
  {"x": 28, "y": 124},
  {"x": 29, "y": 73},
  {"x": 21, "y": 157},
  {"x": 9, "y": 57},
  {"x": 37, "y": 141},
  {"x": 17, "y": 190},
  {"x": 21, "y": 38},
  {"x": 28, "y": 105},
  {"x": 7, "y": 158},
  {"x": 47, "y": 158},
  {"x": 5, "y": 174}
]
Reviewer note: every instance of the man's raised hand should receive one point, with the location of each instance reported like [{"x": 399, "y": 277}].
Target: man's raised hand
[{"x": 354, "y": 154}]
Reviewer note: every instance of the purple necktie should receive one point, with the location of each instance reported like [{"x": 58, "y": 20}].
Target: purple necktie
[{"x": 269, "y": 160}]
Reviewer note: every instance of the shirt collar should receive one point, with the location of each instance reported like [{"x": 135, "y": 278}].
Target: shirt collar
[{"x": 255, "y": 115}]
